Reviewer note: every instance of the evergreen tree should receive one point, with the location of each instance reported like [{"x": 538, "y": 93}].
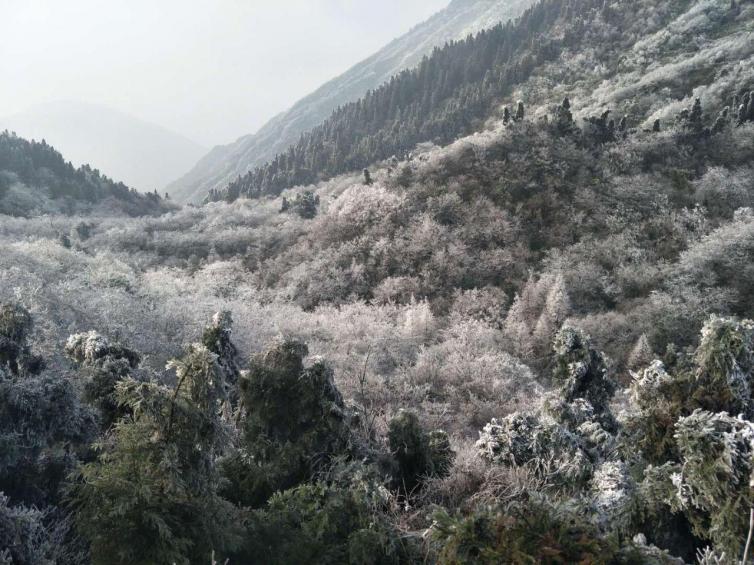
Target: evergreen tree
[
  {"x": 155, "y": 479},
  {"x": 443, "y": 98},
  {"x": 103, "y": 366},
  {"x": 294, "y": 422},
  {"x": 641, "y": 355}
]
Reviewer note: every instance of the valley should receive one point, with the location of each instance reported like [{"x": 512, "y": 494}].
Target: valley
[{"x": 496, "y": 309}]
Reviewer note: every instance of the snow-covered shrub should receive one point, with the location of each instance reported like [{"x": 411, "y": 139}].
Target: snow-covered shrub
[
  {"x": 714, "y": 482},
  {"x": 581, "y": 372},
  {"x": 545, "y": 447}
]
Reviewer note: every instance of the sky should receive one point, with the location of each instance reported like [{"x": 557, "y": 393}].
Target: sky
[{"x": 211, "y": 70}]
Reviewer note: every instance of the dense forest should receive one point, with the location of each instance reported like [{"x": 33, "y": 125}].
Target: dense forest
[
  {"x": 453, "y": 91},
  {"x": 448, "y": 95},
  {"x": 532, "y": 344},
  {"x": 34, "y": 177}
]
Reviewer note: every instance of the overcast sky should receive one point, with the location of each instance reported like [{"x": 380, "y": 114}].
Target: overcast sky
[{"x": 212, "y": 70}]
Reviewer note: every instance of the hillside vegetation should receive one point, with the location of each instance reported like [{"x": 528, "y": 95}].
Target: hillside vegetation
[
  {"x": 35, "y": 178},
  {"x": 532, "y": 344},
  {"x": 225, "y": 162},
  {"x": 615, "y": 54},
  {"x": 142, "y": 155}
]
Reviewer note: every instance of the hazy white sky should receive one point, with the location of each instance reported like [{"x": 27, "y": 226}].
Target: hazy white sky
[{"x": 210, "y": 69}]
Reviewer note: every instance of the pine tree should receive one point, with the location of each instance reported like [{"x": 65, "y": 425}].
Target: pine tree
[
  {"x": 520, "y": 111},
  {"x": 294, "y": 422},
  {"x": 641, "y": 355},
  {"x": 554, "y": 313},
  {"x": 367, "y": 178},
  {"x": 155, "y": 480}
]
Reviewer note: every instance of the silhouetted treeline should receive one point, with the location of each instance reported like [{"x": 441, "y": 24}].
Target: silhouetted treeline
[{"x": 37, "y": 163}]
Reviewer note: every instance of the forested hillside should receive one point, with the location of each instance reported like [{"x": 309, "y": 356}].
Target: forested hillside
[
  {"x": 453, "y": 91},
  {"x": 34, "y": 178},
  {"x": 142, "y": 155},
  {"x": 533, "y": 344},
  {"x": 224, "y": 163}
]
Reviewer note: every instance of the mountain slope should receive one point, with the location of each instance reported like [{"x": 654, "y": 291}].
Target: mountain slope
[
  {"x": 35, "y": 179},
  {"x": 145, "y": 156},
  {"x": 560, "y": 293},
  {"x": 453, "y": 92},
  {"x": 225, "y": 163}
]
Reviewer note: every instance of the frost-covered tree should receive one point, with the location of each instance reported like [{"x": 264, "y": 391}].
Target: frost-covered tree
[
  {"x": 304, "y": 204},
  {"x": 600, "y": 129},
  {"x": 581, "y": 373},
  {"x": 342, "y": 520},
  {"x": 541, "y": 445},
  {"x": 103, "y": 365},
  {"x": 506, "y": 115},
  {"x": 699, "y": 455},
  {"x": 641, "y": 355},
  {"x": 30, "y": 536},
  {"x": 43, "y": 425},
  {"x": 15, "y": 353},
  {"x": 715, "y": 477},
  {"x": 536, "y": 314},
  {"x": 217, "y": 338},
  {"x": 155, "y": 478},
  {"x": 556, "y": 309},
  {"x": 520, "y": 111},
  {"x": 573, "y": 433},
  {"x": 724, "y": 364},
  {"x": 536, "y": 530},
  {"x": 294, "y": 422}
]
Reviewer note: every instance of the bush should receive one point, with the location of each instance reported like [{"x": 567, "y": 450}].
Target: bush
[
  {"x": 344, "y": 520},
  {"x": 532, "y": 532},
  {"x": 418, "y": 454}
]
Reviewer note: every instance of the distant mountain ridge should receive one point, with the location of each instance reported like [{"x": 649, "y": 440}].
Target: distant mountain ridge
[
  {"x": 224, "y": 163},
  {"x": 145, "y": 156},
  {"x": 35, "y": 179}
]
